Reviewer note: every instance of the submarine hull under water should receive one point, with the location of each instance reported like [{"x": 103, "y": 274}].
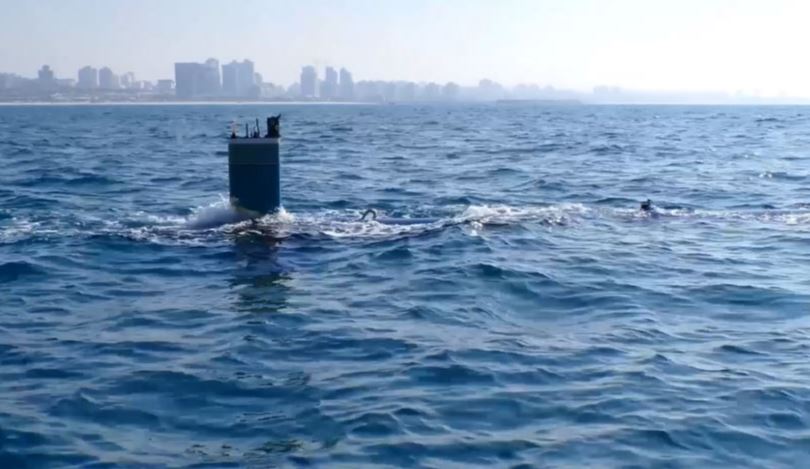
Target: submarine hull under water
[
  {"x": 254, "y": 175},
  {"x": 406, "y": 221}
]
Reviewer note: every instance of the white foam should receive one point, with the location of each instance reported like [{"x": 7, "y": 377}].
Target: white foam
[
  {"x": 558, "y": 214},
  {"x": 213, "y": 223},
  {"x": 281, "y": 216},
  {"x": 208, "y": 223},
  {"x": 214, "y": 215},
  {"x": 764, "y": 216},
  {"x": 347, "y": 224},
  {"x": 790, "y": 218},
  {"x": 339, "y": 225},
  {"x": 160, "y": 220},
  {"x": 18, "y": 229}
]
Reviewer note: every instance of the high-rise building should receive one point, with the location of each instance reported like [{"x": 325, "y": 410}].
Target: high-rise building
[
  {"x": 294, "y": 90},
  {"x": 309, "y": 82},
  {"x": 489, "y": 90},
  {"x": 45, "y": 76},
  {"x": 165, "y": 86},
  {"x": 450, "y": 91},
  {"x": 211, "y": 83},
  {"x": 238, "y": 79},
  {"x": 346, "y": 85},
  {"x": 230, "y": 79},
  {"x": 11, "y": 81},
  {"x": 128, "y": 81},
  {"x": 431, "y": 92},
  {"x": 88, "y": 78},
  {"x": 329, "y": 90},
  {"x": 247, "y": 78},
  {"x": 107, "y": 80},
  {"x": 187, "y": 79},
  {"x": 195, "y": 80},
  {"x": 369, "y": 90}
]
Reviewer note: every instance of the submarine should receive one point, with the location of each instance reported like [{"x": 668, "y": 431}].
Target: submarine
[{"x": 254, "y": 174}]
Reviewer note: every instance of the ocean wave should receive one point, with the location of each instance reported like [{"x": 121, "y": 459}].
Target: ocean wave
[
  {"x": 782, "y": 175},
  {"x": 68, "y": 181},
  {"x": 17, "y": 270},
  {"x": 25, "y": 229},
  {"x": 21, "y": 151}
]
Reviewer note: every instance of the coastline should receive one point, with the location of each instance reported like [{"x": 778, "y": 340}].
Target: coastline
[{"x": 184, "y": 103}]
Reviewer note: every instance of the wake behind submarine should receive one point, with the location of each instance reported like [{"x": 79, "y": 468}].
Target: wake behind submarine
[{"x": 254, "y": 174}]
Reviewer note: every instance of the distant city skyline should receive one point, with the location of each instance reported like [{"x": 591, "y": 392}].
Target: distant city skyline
[
  {"x": 691, "y": 46},
  {"x": 211, "y": 80}
]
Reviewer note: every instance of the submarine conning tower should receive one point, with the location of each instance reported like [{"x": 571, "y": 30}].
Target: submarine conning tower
[{"x": 254, "y": 170}]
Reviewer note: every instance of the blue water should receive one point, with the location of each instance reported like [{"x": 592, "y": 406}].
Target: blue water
[{"x": 541, "y": 321}]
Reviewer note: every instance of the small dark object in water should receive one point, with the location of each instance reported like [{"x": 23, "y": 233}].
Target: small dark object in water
[
  {"x": 371, "y": 212},
  {"x": 647, "y": 205}
]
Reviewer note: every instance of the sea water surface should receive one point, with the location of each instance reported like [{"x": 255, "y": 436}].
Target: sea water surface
[{"x": 541, "y": 321}]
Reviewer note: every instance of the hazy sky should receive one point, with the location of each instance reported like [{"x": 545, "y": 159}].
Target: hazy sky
[{"x": 687, "y": 45}]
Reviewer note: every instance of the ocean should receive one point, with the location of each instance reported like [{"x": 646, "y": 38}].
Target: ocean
[{"x": 540, "y": 319}]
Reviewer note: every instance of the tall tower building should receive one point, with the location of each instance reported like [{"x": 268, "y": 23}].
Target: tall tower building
[
  {"x": 210, "y": 83},
  {"x": 238, "y": 78},
  {"x": 346, "y": 85},
  {"x": 88, "y": 78},
  {"x": 309, "y": 82},
  {"x": 246, "y": 78},
  {"x": 128, "y": 80},
  {"x": 195, "y": 80},
  {"x": 230, "y": 79},
  {"x": 187, "y": 79},
  {"x": 45, "y": 76},
  {"x": 330, "y": 84},
  {"x": 107, "y": 80}
]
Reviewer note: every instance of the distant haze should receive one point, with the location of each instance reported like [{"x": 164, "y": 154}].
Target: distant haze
[{"x": 751, "y": 46}]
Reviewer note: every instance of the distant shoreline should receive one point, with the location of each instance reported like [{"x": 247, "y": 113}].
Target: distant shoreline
[
  {"x": 185, "y": 103},
  {"x": 500, "y": 103}
]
